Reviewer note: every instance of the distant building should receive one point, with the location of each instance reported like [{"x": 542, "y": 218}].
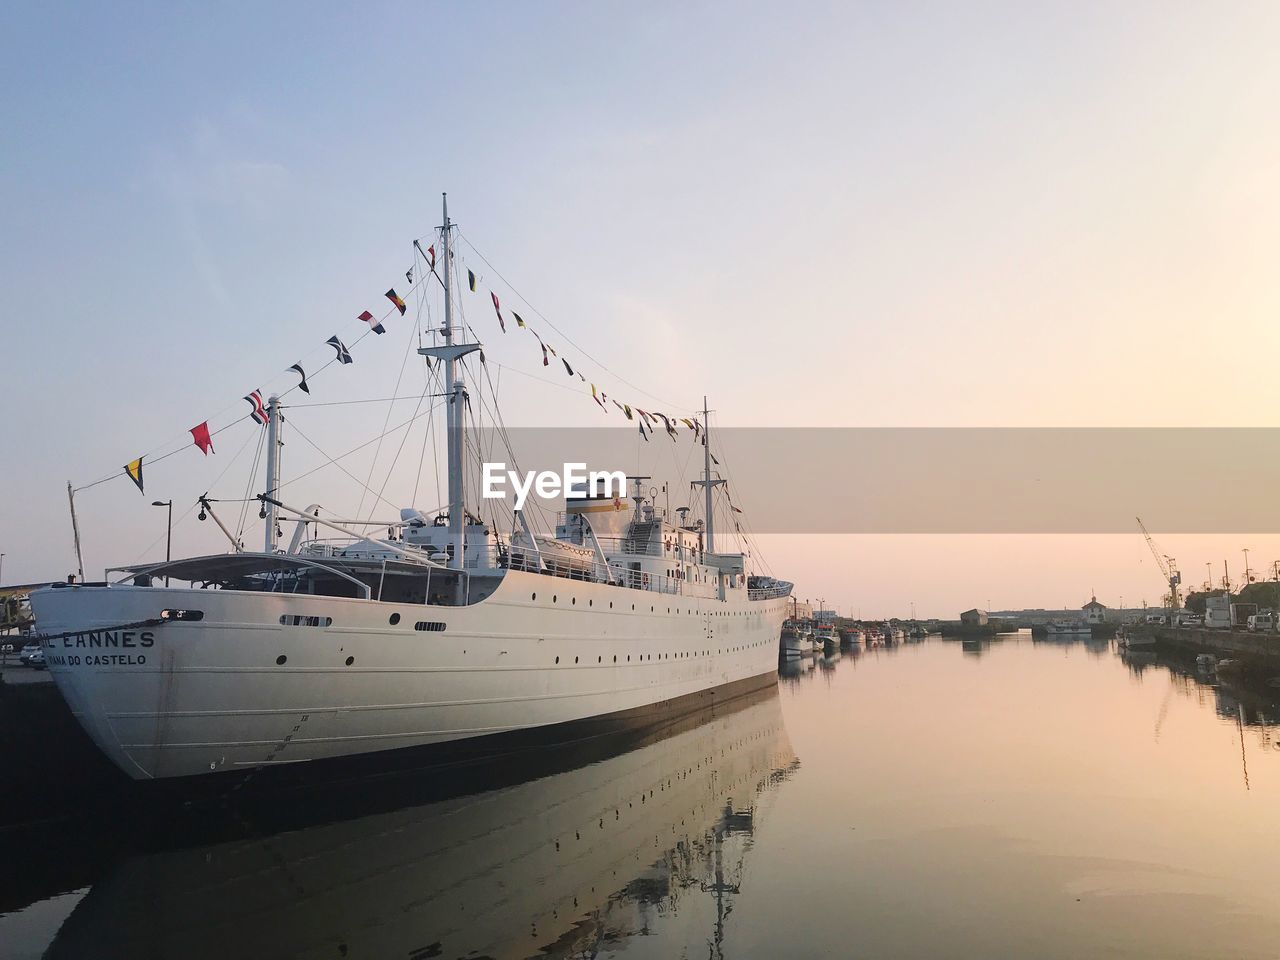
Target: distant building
[
  {"x": 802, "y": 609},
  {"x": 974, "y": 618},
  {"x": 825, "y": 616},
  {"x": 1094, "y": 612}
]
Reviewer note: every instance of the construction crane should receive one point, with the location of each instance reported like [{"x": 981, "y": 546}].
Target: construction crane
[{"x": 1166, "y": 564}]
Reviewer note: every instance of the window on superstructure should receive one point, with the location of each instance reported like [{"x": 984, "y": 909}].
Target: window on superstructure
[{"x": 294, "y": 620}]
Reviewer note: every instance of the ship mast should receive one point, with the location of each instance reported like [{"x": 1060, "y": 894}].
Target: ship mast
[
  {"x": 707, "y": 483},
  {"x": 455, "y": 389},
  {"x": 273, "y": 472}
]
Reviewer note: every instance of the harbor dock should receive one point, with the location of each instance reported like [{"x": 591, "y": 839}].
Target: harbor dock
[{"x": 1262, "y": 649}]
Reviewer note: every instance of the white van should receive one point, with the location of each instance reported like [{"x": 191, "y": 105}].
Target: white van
[{"x": 1265, "y": 621}]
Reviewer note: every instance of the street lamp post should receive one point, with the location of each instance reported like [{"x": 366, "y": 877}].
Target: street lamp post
[{"x": 168, "y": 533}]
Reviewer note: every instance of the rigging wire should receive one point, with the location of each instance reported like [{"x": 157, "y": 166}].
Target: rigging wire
[
  {"x": 195, "y": 503},
  {"x": 335, "y": 463},
  {"x": 396, "y": 459},
  {"x": 185, "y": 442},
  {"x": 353, "y": 450},
  {"x": 538, "y": 313},
  {"x": 345, "y": 403},
  {"x": 253, "y": 473},
  {"x": 373, "y": 464}
]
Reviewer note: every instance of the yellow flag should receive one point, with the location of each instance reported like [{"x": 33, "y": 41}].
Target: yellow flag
[{"x": 133, "y": 470}]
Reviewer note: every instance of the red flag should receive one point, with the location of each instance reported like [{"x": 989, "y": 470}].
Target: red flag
[
  {"x": 395, "y": 298},
  {"x": 432, "y": 250},
  {"x": 200, "y": 434},
  {"x": 498, "y": 310}
]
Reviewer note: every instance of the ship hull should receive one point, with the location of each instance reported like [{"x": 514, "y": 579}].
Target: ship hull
[
  {"x": 793, "y": 645},
  {"x": 271, "y": 680}
]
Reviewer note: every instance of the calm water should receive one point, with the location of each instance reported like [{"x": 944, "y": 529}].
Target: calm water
[{"x": 1016, "y": 799}]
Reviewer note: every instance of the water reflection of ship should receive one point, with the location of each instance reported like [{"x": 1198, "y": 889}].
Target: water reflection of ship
[
  {"x": 794, "y": 668},
  {"x": 549, "y": 866}
]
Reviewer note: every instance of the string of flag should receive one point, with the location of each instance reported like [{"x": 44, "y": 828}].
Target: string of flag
[
  {"x": 202, "y": 436},
  {"x": 646, "y": 421}
]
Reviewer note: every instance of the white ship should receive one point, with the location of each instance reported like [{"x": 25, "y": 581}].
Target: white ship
[{"x": 439, "y": 632}]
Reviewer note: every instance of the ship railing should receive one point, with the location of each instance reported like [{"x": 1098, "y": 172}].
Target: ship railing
[
  {"x": 497, "y": 556},
  {"x": 769, "y": 593},
  {"x": 489, "y": 555},
  {"x": 593, "y": 571},
  {"x": 652, "y": 548},
  {"x": 646, "y": 548}
]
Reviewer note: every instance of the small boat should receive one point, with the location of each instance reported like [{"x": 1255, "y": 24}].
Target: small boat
[
  {"x": 1067, "y": 628},
  {"x": 1130, "y": 642},
  {"x": 794, "y": 643},
  {"x": 825, "y": 637}
]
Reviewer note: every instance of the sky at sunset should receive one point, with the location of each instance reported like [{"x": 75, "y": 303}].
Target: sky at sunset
[{"x": 884, "y": 214}]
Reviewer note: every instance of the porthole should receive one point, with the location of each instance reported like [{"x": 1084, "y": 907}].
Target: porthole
[
  {"x": 599, "y": 659},
  {"x": 554, "y": 598},
  {"x": 573, "y": 602},
  {"x": 280, "y": 660},
  {"x": 534, "y": 597},
  {"x": 394, "y": 619},
  {"x": 350, "y": 661},
  {"x": 591, "y": 603},
  {"x": 557, "y": 659},
  {"x": 575, "y": 659}
]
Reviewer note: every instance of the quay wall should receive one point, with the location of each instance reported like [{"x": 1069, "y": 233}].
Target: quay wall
[{"x": 1235, "y": 643}]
